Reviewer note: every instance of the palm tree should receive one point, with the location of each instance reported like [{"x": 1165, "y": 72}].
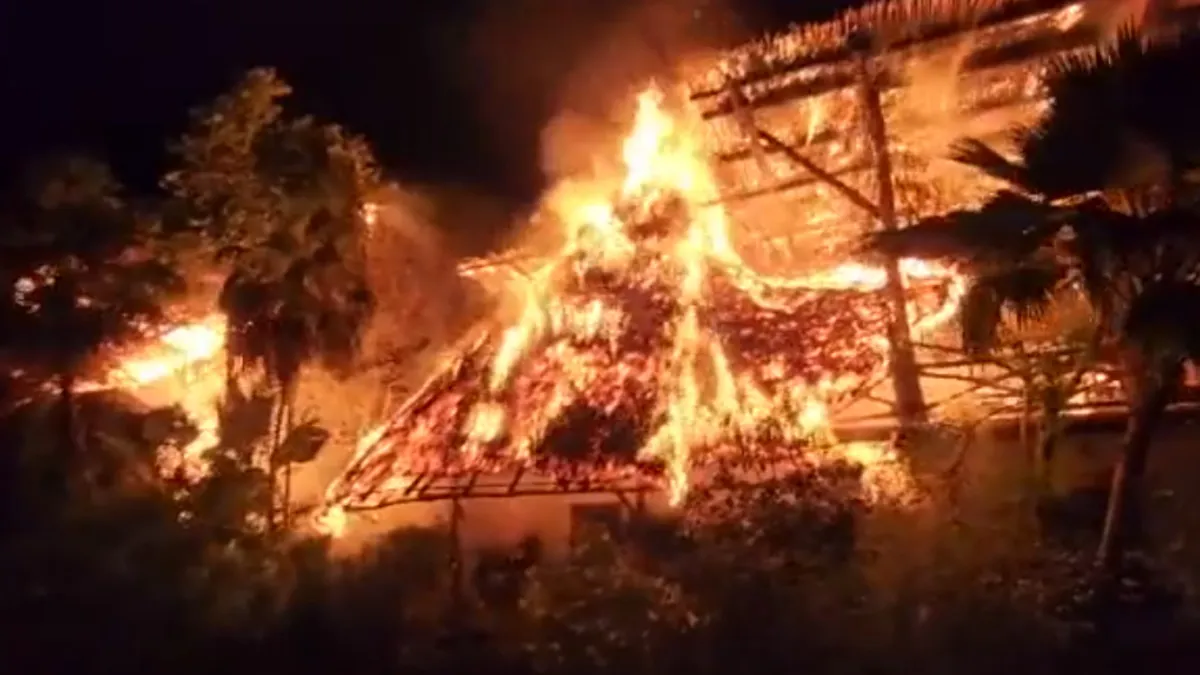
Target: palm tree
[
  {"x": 282, "y": 200},
  {"x": 315, "y": 311},
  {"x": 1101, "y": 207},
  {"x": 84, "y": 271}
]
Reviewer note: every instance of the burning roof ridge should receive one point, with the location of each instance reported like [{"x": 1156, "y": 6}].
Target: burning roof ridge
[
  {"x": 900, "y": 23},
  {"x": 1024, "y": 54}
]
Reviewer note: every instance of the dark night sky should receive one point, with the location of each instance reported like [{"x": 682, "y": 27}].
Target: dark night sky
[{"x": 451, "y": 90}]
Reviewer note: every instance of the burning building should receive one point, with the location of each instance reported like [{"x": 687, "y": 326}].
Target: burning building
[
  {"x": 706, "y": 302},
  {"x": 644, "y": 349}
]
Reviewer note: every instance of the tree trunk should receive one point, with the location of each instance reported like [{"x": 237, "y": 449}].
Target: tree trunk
[
  {"x": 61, "y": 466},
  {"x": 906, "y": 380},
  {"x": 1056, "y": 402},
  {"x": 280, "y": 466},
  {"x": 1050, "y": 428},
  {"x": 231, "y": 359},
  {"x": 286, "y": 501},
  {"x": 273, "y": 463},
  {"x": 229, "y": 372},
  {"x": 66, "y": 414},
  {"x": 1047, "y": 444},
  {"x": 457, "y": 569},
  {"x": 1148, "y": 399},
  {"x": 1026, "y": 415}
]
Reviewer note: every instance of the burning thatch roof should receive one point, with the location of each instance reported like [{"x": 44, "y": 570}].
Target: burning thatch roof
[
  {"x": 641, "y": 346},
  {"x": 590, "y": 393},
  {"x": 901, "y": 27},
  {"x": 946, "y": 70}
]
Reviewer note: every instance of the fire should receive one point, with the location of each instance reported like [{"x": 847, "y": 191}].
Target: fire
[
  {"x": 182, "y": 358},
  {"x": 647, "y": 344},
  {"x": 177, "y": 348}
]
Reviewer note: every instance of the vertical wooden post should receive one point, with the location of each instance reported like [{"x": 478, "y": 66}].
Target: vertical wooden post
[
  {"x": 457, "y": 569},
  {"x": 457, "y": 625},
  {"x": 1023, "y": 429},
  {"x": 744, "y": 117},
  {"x": 285, "y": 508},
  {"x": 273, "y": 506},
  {"x": 906, "y": 380}
]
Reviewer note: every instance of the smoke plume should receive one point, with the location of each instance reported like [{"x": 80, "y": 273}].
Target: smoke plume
[{"x": 557, "y": 75}]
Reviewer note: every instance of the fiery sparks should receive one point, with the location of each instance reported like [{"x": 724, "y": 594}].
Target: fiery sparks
[{"x": 647, "y": 344}]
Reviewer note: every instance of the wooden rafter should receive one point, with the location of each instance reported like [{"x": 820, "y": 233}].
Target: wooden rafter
[
  {"x": 853, "y": 196},
  {"x": 745, "y": 120},
  {"x": 458, "y": 486},
  {"x": 827, "y": 136}
]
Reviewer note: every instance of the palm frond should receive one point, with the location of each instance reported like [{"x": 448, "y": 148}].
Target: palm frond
[
  {"x": 1128, "y": 44},
  {"x": 981, "y": 156},
  {"x": 1009, "y": 227},
  {"x": 931, "y": 239},
  {"x": 1163, "y": 243},
  {"x": 1089, "y": 251},
  {"x": 980, "y": 317},
  {"x": 1025, "y": 292},
  {"x": 1073, "y": 151},
  {"x": 1029, "y": 291},
  {"x": 1103, "y": 98},
  {"x": 302, "y": 443}
]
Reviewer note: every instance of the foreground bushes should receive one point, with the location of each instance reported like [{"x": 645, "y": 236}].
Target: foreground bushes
[{"x": 801, "y": 574}]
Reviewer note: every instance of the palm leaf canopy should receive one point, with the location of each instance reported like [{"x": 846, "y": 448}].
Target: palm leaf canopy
[
  {"x": 1121, "y": 124},
  {"x": 1022, "y": 293},
  {"x": 1120, "y": 115},
  {"x": 299, "y": 294}
]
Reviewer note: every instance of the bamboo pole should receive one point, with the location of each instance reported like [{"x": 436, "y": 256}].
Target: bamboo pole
[{"x": 910, "y": 400}]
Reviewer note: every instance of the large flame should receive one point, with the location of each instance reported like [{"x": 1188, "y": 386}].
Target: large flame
[
  {"x": 179, "y": 363},
  {"x": 647, "y": 343}
]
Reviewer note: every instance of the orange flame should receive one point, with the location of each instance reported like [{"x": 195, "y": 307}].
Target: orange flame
[{"x": 182, "y": 358}]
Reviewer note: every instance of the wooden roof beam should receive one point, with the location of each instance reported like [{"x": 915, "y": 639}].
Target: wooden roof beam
[
  {"x": 853, "y": 196},
  {"x": 831, "y": 135}
]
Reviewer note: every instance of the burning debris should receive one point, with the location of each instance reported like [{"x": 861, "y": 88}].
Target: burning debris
[{"x": 646, "y": 345}]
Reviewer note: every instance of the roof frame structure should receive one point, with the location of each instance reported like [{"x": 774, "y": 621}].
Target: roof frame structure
[{"x": 448, "y": 484}]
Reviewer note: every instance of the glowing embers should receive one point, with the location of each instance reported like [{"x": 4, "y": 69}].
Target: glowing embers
[{"x": 571, "y": 386}]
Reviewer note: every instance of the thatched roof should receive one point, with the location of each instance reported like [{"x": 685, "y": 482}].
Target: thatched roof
[
  {"x": 947, "y": 69},
  {"x": 897, "y": 25}
]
